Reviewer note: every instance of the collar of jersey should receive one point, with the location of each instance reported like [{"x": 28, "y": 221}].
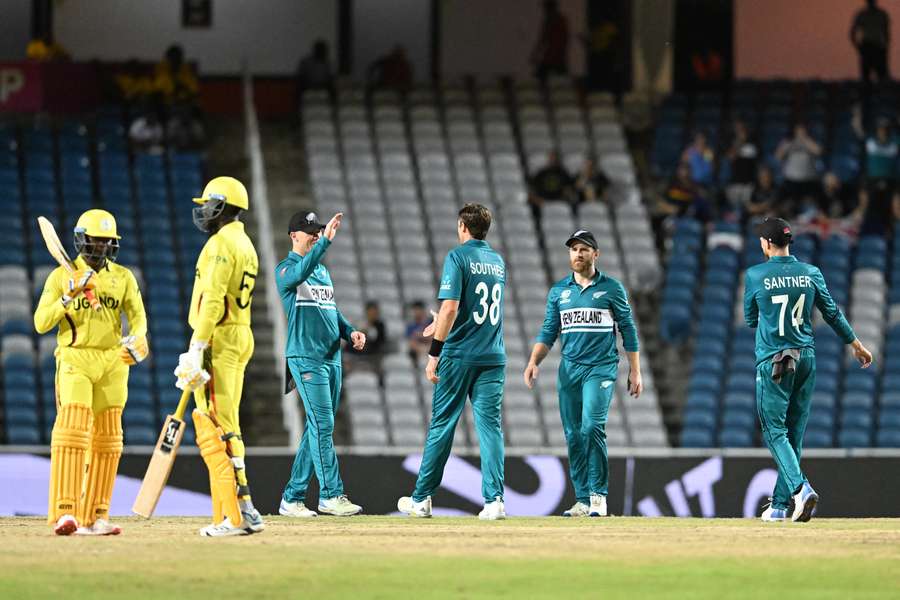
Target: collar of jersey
[
  {"x": 236, "y": 224},
  {"x": 597, "y": 275},
  {"x": 788, "y": 258},
  {"x": 474, "y": 242},
  {"x": 81, "y": 264}
]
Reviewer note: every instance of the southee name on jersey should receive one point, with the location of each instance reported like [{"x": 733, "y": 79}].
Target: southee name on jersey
[{"x": 483, "y": 268}]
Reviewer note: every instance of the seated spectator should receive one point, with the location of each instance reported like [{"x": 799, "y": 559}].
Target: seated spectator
[
  {"x": 417, "y": 342},
  {"x": 184, "y": 129},
  {"x": 763, "y": 200},
  {"x": 743, "y": 155},
  {"x": 174, "y": 78},
  {"x": 682, "y": 198},
  {"x": 44, "y": 49},
  {"x": 798, "y": 156},
  {"x": 314, "y": 71},
  {"x": 836, "y": 199},
  {"x": 371, "y": 355},
  {"x": 590, "y": 184},
  {"x": 146, "y": 132},
  {"x": 699, "y": 158},
  {"x": 392, "y": 71},
  {"x": 552, "y": 183},
  {"x": 134, "y": 81}
]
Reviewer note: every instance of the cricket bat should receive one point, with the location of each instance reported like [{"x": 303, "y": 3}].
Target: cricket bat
[
  {"x": 162, "y": 460},
  {"x": 58, "y": 252}
]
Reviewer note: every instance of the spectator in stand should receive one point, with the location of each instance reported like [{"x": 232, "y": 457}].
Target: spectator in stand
[
  {"x": 590, "y": 184},
  {"x": 743, "y": 155},
  {"x": 550, "y": 54},
  {"x": 417, "y": 342},
  {"x": 174, "y": 78},
  {"x": 184, "y": 129},
  {"x": 836, "y": 199},
  {"x": 682, "y": 198},
  {"x": 871, "y": 35},
  {"x": 764, "y": 198},
  {"x": 699, "y": 158},
  {"x": 878, "y": 198},
  {"x": 392, "y": 71},
  {"x": 371, "y": 355},
  {"x": 798, "y": 156},
  {"x": 552, "y": 183},
  {"x": 314, "y": 71},
  {"x": 44, "y": 49},
  {"x": 147, "y": 132}
]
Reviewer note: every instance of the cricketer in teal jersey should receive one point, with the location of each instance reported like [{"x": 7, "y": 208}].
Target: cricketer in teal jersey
[
  {"x": 584, "y": 310},
  {"x": 315, "y": 328},
  {"x": 467, "y": 360},
  {"x": 778, "y": 299}
]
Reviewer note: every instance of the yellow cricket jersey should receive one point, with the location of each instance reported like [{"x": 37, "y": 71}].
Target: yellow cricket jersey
[
  {"x": 223, "y": 282},
  {"x": 80, "y": 326}
]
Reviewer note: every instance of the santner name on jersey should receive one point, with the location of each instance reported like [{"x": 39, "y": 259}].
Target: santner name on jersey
[{"x": 789, "y": 281}]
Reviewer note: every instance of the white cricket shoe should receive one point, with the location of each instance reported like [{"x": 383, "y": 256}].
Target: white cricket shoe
[
  {"x": 579, "y": 509},
  {"x": 415, "y": 509},
  {"x": 773, "y": 515},
  {"x": 493, "y": 511},
  {"x": 226, "y": 529},
  {"x": 295, "y": 509},
  {"x": 66, "y": 525},
  {"x": 339, "y": 506},
  {"x": 100, "y": 527},
  {"x": 804, "y": 503},
  {"x": 252, "y": 520},
  {"x": 598, "y": 505}
]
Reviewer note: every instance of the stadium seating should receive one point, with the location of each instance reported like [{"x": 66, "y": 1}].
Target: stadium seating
[
  {"x": 406, "y": 165},
  {"x": 59, "y": 170}
]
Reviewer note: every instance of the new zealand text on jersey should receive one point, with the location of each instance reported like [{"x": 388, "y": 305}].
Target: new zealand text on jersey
[{"x": 585, "y": 316}]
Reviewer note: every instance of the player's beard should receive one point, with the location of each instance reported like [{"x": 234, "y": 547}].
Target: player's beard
[{"x": 581, "y": 266}]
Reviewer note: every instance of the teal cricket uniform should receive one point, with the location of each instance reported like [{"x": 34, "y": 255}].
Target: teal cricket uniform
[
  {"x": 586, "y": 320},
  {"x": 779, "y": 296},
  {"x": 472, "y": 366},
  {"x": 315, "y": 328}
]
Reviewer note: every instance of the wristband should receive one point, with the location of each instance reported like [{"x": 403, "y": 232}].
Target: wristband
[{"x": 436, "y": 347}]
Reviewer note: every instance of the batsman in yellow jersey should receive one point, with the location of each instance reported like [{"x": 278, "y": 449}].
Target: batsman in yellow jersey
[
  {"x": 92, "y": 362},
  {"x": 220, "y": 348}
]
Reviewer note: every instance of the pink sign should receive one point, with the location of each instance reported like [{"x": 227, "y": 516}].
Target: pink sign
[{"x": 21, "y": 87}]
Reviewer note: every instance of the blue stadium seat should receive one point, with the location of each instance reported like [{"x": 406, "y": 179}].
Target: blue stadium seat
[
  {"x": 888, "y": 438},
  {"x": 890, "y": 399},
  {"x": 818, "y": 438},
  {"x": 742, "y": 419},
  {"x": 22, "y": 398},
  {"x": 856, "y": 419},
  {"x": 21, "y": 416},
  {"x": 740, "y": 400},
  {"x": 854, "y": 438},
  {"x": 141, "y": 435},
  {"x": 697, "y": 438},
  {"x": 699, "y": 400},
  {"x": 858, "y": 401},
  {"x": 890, "y": 383},
  {"x": 736, "y": 437},
  {"x": 889, "y": 418},
  {"x": 137, "y": 415},
  {"x": 743, "y": 363},
  {"x": 24, "y": 380},
  {"x": 821, "y": 419},
  {"x": 705, "y": 382},
  {"x": 22, "y": 435},
  {"x": 698, "y": 418},
  {"x": 741, "y": 382}
]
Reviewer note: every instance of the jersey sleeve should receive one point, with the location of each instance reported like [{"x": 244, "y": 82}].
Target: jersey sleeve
[
  {"x": 624, "y": 319},
  {"x": 831, "y": 312},
  {"x": 213, "y": 288},
  {"x": 133, "y": 305},
  {"x": 50, "y": 309},
  {"x": 451, "y": 278},
  {"x": 550, "y": 329},
  {"x": 751, "y": 308},
  {"x": 345, "y": 328},
  {"x": 289, "y": 278}
]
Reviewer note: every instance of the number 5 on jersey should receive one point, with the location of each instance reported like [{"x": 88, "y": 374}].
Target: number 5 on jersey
[
  {"x": 796, "y": 311},
  {"x": 491, "y": 310}
]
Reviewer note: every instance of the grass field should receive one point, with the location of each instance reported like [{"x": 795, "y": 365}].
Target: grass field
[{"x": 388, "y": 557}]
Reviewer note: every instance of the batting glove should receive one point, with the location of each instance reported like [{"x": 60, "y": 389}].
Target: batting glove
[
  {"x": 190, "y": 371},
  {"x": 79, "y": 281},
  {"x": 134, "y": 349}
]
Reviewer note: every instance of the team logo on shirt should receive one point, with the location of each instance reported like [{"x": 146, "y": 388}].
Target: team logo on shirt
[
  {"x": 598, "y": 294},
  {"x": 445, "y": 283}
]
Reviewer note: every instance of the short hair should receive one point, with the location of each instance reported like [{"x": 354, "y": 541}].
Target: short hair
[
  {"x": 417, "y": 304},
  {"x": 371, "y": 304},
  {"x": 477, "y": 219}
]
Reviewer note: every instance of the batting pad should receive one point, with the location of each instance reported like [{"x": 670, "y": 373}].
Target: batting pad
[{"x": 68, "y": 448}]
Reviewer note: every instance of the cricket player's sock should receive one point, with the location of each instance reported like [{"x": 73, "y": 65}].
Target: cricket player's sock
[
  {"x": 68, "y": 449},
  {"x": 598, "y": 506},
  {"x": 805, "y": 501},
  {"x": 106, "y": 449},
  {"x": 493, "y": 511},
  {"x": 415, "y": 509},
  {"x": 579, "y": 509},
  {"x": 295, "y": 509}
]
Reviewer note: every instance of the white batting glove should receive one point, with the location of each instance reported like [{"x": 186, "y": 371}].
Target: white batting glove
[{"x": 190, "y": 372}]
